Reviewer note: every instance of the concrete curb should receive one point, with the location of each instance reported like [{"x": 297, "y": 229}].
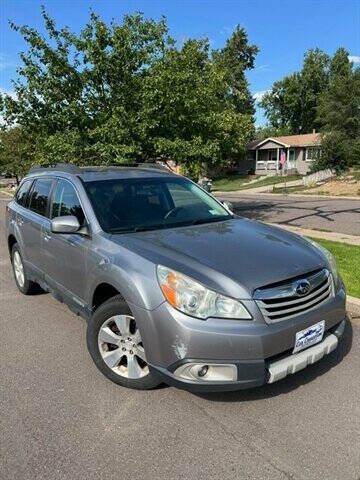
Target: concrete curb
[
  {"x": 311, "y": 196},
  {"x": 353, "y": 307},
  {"x": 308, "y": 232}
]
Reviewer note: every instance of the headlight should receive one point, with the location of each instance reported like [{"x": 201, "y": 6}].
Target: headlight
[
  {"x": 330, "y": 260},
  {"x": 194, "y": 299}
]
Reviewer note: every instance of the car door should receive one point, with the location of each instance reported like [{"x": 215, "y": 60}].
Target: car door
[
  {"x": 65, "y": 254},
  {"x": 30, "y": 221}
]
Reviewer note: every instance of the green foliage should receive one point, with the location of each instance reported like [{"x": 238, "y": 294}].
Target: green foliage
[
  {"x": 269, "y": 131},
  {"x": 339, "y": 111},
  {"x": 334, "y": 153},
  {"x": 292, "y": 101},
  {"x": 236, "y": 58},
  {"x": 16, "y": 152},
  {"x": 123, "y": 92}
]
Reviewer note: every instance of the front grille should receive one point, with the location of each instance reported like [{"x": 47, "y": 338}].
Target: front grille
[{"x": 281, "y": 302}]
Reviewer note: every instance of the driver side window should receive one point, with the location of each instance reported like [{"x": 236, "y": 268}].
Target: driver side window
[{"x": 66, "y": 202}]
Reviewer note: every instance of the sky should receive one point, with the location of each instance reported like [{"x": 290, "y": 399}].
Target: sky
[{"x": 282, "y": 29}]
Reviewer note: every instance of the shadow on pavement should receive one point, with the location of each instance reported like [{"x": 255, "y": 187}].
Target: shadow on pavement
[
  {"x": 269, "y": 210},
  {"x": 291, "y": 382}
]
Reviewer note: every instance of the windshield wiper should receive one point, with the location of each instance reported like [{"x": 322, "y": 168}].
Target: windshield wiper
[
  {"x": 137, "y": 229},
  {"x": 201, "y": 221}
]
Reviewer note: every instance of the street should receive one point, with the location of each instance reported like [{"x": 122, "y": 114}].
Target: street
[
  {"x": 61, "y": 419},
  {"x": 335, "y": 215}
]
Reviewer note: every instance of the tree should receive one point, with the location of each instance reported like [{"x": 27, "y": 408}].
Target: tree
[
  {"x": 15, "y": 152},
  {"x": 269, "y": 131},
  {"x": 236, "y": 58},
  {"x": 124, "y": 92},
  {"x": 339, "y": 111},
  {"x": 194, "y": 120},
  {"x": 292, "y": 101},
  {"x": 79, "y": 96}
]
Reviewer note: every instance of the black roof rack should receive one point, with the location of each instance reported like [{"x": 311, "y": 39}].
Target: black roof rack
[
  {"x": 60, "y": 167},
  {"x": 74, "y": 169}
]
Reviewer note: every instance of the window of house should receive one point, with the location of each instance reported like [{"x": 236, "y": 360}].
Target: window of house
[
  {"x": 292, "y": 155},
  {"x": 272, "y": 155},
  {"x": 40, "y": 196},
  {"x": 22, "y": 194},
  {"x": 312, "y": 153},
  {"x": 66, "y": 202}
]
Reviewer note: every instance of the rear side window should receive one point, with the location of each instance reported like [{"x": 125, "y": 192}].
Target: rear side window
[
  {"x": 40, "y": 196},
  {"x": 66, "y": 202},
  {"x": 22, "y": 193}
]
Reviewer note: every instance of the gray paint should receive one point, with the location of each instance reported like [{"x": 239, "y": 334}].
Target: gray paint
[
  {"x": 269, "y": 145},
  {"x": 233, "y": 257}
]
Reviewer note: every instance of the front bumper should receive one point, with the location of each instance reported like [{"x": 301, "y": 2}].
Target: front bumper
[
  {"x": 172, "y": 339},
  {"x": 257, "y": 372}
]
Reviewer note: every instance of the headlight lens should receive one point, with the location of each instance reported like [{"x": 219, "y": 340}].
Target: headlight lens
[
  {"x": 330, "y": 260},
  {"x": 194, "y": 299}
]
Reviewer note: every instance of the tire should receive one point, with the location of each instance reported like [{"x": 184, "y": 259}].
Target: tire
[
  {"x": 26, "y": 286},
  {"x": 124, "y": 361}
]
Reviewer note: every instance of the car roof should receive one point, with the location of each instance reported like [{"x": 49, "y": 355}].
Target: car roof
[{"x": 88, "y": 174}]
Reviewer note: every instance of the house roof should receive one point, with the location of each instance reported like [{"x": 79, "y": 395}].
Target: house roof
[{"x": 306, "y": 140}]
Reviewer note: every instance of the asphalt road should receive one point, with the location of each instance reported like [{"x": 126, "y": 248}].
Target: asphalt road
[
  {"x": 61, "y": 419},
  {"x": 335, "y": 215}
]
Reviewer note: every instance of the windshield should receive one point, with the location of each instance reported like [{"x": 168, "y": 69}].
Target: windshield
[{"x": 123, "y": 205}]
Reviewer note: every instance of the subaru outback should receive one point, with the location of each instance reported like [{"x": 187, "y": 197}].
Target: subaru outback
[{"x": 174, "y": 286}]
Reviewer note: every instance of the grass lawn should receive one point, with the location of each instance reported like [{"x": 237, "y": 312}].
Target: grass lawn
[
  {"x": 348, "y": 260},
  {"x": 237, "y": 182}
]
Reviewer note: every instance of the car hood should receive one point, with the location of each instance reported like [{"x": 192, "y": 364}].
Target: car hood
[{"x": 249, "y": 253}]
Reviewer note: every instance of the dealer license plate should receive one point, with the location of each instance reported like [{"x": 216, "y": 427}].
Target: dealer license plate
[{"x": 310, "y": 336}]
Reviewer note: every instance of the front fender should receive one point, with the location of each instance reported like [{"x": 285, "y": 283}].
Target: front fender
[{"x": 134, "y": 277}]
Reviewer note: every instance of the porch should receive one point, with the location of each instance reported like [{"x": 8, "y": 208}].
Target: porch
[{"x": 270, "y": 160}]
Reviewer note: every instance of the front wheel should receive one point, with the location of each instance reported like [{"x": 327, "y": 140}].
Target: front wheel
[{"x": 115, "y": 345}]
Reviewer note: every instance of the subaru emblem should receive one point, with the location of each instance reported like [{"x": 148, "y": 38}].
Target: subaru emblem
[{"x": 302, "y": 287}]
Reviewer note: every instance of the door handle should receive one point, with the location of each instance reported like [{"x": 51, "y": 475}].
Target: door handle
[{"x": 47, "y": 236}]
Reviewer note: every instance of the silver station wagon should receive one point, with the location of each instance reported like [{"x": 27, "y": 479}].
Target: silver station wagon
[{"x": 175, "y": 288}]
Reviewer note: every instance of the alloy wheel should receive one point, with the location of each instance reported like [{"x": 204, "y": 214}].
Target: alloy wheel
[
  {"x": 121, "y": 348},
  {"x": 19, "y": 269}
]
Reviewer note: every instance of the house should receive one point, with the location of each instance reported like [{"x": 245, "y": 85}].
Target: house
[{"x": 290, "y": 154}]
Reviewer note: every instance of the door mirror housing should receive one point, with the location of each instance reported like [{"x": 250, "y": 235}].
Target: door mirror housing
[{"x": 65, "y": 224}]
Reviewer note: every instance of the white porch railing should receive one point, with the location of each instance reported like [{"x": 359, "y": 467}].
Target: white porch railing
[{"x": 266, "y": 165}]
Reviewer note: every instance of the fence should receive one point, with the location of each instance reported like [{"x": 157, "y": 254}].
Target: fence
[{"x": 318, "y": 176}]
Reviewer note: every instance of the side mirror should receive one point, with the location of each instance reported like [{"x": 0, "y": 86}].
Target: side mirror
[
  {"x": 65, "y": 224},
  {"x": 228, "y": 205}
]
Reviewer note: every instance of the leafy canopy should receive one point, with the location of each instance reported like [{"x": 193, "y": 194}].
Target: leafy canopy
[
  {"x": 125, "y": 92},
  {"x": 339, "y": 111},
  {"x": 291, "y": 103}
]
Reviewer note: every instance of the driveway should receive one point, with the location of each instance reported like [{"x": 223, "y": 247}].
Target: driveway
[
  {"x": 334, "y": 215},
  {"x": 61, "y": 419}
]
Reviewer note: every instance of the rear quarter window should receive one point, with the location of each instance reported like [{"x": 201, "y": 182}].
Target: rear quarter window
[
  {"x": 22, "y": 194},
  {"x": 39, "y": 197}
]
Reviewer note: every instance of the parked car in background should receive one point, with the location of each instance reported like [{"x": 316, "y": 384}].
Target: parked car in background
[{"x": 175, "y": 288}]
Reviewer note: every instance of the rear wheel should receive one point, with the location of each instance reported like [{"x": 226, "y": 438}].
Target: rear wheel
[
  {"x": 115, "y": 344},
  {"x": 25, "y": 285}
]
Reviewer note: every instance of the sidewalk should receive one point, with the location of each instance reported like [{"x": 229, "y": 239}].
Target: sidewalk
[
  {"x": 264, "y": 188},
  {"x": 308, "y": 232},
  {"x": 309, "y": 196}
]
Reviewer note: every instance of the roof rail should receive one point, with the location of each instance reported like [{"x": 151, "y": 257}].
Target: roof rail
[
  {"x": 74, "y": 169},
  {"x": 153, "y": 165},
  {"x": 60, "y": 167}
]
